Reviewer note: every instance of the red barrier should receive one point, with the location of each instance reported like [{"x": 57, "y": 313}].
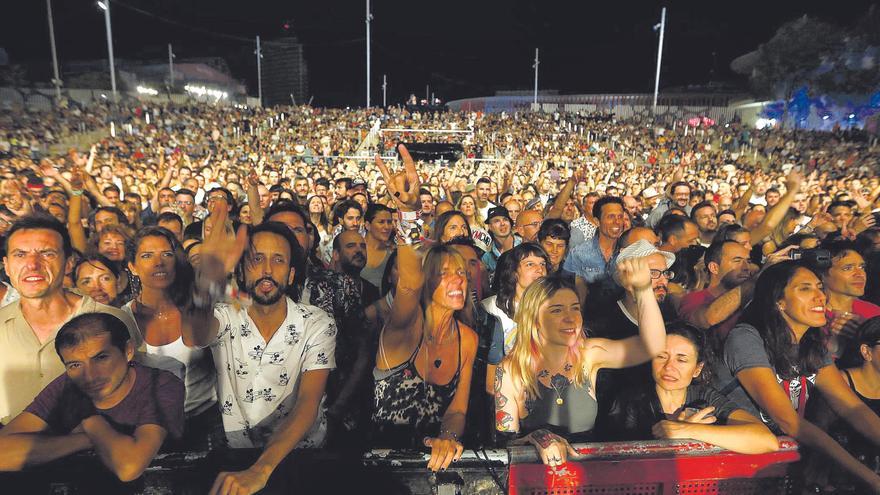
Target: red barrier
[{"x": 655, "y": 468}]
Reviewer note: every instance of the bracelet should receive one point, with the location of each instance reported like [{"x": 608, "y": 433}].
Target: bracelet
[
  {"x": 447, "y": 432},
  {"x": 78, "y": 192}
]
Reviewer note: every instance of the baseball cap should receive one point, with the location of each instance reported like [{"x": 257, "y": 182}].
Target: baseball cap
[
  {"x": 499, "y": 211},
  {"x": 358, "y": 183},
  {"x": 642, "y": 248}
]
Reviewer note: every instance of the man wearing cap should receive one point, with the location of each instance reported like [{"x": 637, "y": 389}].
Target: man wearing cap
[
  {"x": 503, "y": 239},
  {"x": 619, "y": 322},
  {"x": 730, "y": 288}
]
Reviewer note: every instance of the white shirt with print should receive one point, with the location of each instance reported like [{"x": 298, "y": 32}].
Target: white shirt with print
[{"x": 257, "y": 381}]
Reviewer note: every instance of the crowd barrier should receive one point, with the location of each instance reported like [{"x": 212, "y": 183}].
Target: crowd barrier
[{"x": 619, "y": 468}]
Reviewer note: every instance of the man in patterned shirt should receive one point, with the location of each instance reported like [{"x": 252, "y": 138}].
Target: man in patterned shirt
[{"x": 272, "y": 357}]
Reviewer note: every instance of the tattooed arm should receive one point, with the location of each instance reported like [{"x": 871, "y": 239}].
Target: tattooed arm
[{"x": 506, "y": 401}]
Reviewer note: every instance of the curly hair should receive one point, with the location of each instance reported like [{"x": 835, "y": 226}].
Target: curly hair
[{"x": 505, "y": 279}]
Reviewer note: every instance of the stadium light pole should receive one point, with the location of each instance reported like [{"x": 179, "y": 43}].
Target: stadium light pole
[
  {"x": 105, "y": 6},
  {"x": 384, "y": 90},
  {"x": 170, "y": 67},
  {"x": 259, "y": 73},
  {"x": 536, "y": 76},
  {"x": 57, "y": 79},
  {"x": 369, "y": 18},
  {"x": 659, "y": 57}
]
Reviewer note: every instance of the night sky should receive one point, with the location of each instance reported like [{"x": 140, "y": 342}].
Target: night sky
[{"x": 461, "y": 49}]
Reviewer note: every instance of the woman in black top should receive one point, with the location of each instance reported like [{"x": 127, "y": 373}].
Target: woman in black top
[
  {"x": 862, "y": 374},
  {"x": 678, "y": 403}
]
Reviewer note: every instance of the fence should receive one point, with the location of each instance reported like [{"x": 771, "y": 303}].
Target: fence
[{"x": 620, "y": 468}]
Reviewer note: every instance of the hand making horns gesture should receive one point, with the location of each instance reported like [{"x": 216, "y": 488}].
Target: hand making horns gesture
[{"x": 403, "y": 186}]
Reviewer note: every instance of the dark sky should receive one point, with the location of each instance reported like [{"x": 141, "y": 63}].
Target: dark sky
[{"x": 460, "y": 48}]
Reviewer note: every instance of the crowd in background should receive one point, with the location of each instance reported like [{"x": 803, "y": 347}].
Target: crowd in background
[{"x": 214, "y": 277}]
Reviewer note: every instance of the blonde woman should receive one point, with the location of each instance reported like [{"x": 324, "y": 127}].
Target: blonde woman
[
  {"x": 544, "y": 388},
  {"x": 467, "y": 204}
]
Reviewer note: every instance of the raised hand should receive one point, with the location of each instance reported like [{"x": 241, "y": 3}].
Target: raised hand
[
  {"x": 221, "y": 244},
  {"x": 403, "y": 186},
  {"x": 793, "y": 180},
  {"x": 634, "y": 274}
]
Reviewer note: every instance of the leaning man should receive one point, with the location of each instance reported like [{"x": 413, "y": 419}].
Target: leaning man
[{"x": 103, "y": 402}]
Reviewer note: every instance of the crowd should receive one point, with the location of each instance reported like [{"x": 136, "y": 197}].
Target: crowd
[{"x": 224, "y": 277}]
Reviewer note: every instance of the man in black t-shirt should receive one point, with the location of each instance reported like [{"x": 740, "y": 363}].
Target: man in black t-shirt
[{"x": 102, "y": 402}]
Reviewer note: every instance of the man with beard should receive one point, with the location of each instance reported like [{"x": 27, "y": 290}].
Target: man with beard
[
  {"x": 707, "y": 221},
  {"x": 679, "y": 197},
  {"x": 730, "y": 288},
  {"x": 273, "y": 358},
  {"x": 618, "y": 320},
  {"x": 484, "y": 191},
  {"x": 503, "y": 239},
  {"x": 350, "y": 257}
]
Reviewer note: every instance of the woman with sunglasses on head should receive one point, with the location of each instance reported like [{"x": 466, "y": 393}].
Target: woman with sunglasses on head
[
  {"x": 165, "y": 287},
  {"x": 775, "y": 358},
  {"x": 544, "y": 393}
]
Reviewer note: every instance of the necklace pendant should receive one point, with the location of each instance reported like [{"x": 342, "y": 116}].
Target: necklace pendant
[
  {"x": 437, "y": 363},
  {"x": 559, "y": 401}
]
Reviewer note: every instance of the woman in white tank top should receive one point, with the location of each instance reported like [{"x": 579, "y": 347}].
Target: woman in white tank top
[{"x": 166, "y": 280}]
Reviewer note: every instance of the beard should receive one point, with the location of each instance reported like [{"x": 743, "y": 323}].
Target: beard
[
  {"x": 732, "y": 280},
  {"x": 355, "y": 264},
  {"x": 270, "y": 298}
]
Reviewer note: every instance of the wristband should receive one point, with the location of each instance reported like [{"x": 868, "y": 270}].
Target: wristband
[{"x": 77, "y": 192}]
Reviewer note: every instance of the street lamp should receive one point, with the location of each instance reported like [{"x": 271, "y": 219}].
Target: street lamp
[{"x": 105, "y": 6}]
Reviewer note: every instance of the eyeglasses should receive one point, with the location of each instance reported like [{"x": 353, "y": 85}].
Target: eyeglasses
[{"x": 655, "y": 274}]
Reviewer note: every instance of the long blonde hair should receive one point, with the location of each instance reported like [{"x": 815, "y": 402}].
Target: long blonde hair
[
  {"x": 477, "y": 218},
  {"x": 524, "y": 360}
]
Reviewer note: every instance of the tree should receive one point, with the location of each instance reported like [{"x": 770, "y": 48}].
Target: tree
[{"x": 790, "y": 59}]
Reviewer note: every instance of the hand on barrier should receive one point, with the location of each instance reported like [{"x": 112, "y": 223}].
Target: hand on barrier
[
  {"x": 244, "y": 482},
  {"x": 553, "y": 449},
  {"x": 444, "y": 451}
]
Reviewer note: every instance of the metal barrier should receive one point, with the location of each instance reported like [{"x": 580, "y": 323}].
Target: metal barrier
[
  {"x": 655, "y": 468},
  {"x": 619, "y": 468}
]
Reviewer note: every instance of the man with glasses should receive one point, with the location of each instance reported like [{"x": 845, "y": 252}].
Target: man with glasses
[
  {"x": 528, "y": 223},
  {"x": 186, "y": 205},
  {"x": 730, "y": 287}
]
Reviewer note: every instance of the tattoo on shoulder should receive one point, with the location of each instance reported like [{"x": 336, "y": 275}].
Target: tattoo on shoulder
[
  {"x": 500, "y": 400},
  {"x": 544, "y": 374},
  {"x": 499, "y": 374}
]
